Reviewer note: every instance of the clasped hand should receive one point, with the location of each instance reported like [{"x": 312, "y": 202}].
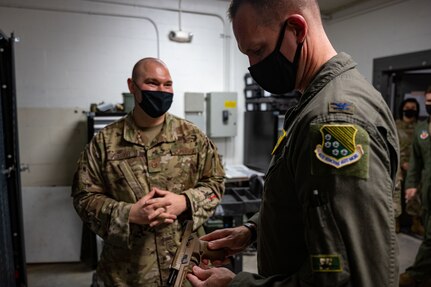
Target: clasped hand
[{"x": 157, "y": 207}]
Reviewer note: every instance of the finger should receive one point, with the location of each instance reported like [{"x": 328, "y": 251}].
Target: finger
[
  {"x": 160, "y": 192},
  {"x": 156, "y": 203},
  {"x": 223, "y": 243},
  {"x": 156, "y": 213},
  {"x": 147, "y": 197},
  {"x": 202, "y": 274},
  {"x": 224, "y": 262},
  {"x": 217, "y": 234},
  {"x": 194, "y": 280},
  {"x": 159, "y": 221}
]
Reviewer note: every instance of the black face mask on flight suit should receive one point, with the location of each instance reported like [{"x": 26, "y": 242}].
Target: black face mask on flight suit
[
  {"x": 428, "y": 108},
  {"x": 275, "y": 73}
]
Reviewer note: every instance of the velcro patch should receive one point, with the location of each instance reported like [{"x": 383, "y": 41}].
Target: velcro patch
[
  {"x": 339, "y": 149},
  {"x": 341, "y": 107},
  {"x": 326, "y": 263},
  {"x": 338, "y": 146}
]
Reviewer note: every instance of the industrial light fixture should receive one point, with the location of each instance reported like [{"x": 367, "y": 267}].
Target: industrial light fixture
[{"x": 180, "y": 36}]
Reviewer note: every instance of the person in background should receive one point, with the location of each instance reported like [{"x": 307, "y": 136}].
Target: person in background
[
  {"x": 409, "y": 115},
  {"x": 419, "y": 174},
  {"x": 141, "y": 177},
  {"x": 326, "y": 216}
]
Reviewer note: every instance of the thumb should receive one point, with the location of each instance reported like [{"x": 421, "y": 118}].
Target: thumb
[
  {"x": 159, "y": 191},
  {"x": 202, "y": 274}
]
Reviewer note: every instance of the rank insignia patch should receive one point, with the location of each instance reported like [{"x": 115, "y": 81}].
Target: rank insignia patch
[
  {"x": 424, "y": 135},
  {"x": 338, "y": 146},
  {"x": 326, "y": 263},
  {"x": 343, "y": 107}
]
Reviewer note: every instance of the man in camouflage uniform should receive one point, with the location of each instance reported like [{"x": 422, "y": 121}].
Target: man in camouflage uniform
[
  {"x": 141, "y": 177},
  {"x": 326, "y": 217},
  {"x": 419, "y": 174},
  {"x": 409, "y": 114}
]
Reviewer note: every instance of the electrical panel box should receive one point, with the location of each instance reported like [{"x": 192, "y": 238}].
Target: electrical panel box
[
  {"x": 221, "y": 114},
  {"x": 194, "y": 108}
]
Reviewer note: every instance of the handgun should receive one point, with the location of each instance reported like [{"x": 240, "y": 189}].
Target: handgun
[{"x": 190, "y": 253}]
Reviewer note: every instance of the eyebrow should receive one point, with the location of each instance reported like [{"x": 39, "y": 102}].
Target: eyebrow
[{"x": 156, "y": 80}]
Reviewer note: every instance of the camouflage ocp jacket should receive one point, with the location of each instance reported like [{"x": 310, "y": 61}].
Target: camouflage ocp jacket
[{"x": 116, "y": 169}]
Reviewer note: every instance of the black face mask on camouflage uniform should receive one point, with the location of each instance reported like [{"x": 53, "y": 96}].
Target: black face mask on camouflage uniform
[
  {"x": 410, "y": 113},
  {"x": 155, "y": 103}
]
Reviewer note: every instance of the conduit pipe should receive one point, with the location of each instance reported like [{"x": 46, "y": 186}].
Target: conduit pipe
[
  {"x": 226, "y": 37},
  {"x": 73, "y": 11}
]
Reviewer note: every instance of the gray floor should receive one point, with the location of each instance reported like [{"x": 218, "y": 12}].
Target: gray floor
[{"x": 77, "y": 275}]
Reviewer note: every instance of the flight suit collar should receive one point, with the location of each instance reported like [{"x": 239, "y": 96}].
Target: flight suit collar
[
  {"x": 334, "y": 67},
  {"x": 131, "y": 130}
]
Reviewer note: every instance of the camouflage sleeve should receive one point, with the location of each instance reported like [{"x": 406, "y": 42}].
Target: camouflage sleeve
[
  {"x": 105, "y": 216},
  {"x": 207, "y": 193}
]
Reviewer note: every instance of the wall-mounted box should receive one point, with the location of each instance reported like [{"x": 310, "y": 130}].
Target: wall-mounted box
[
  {"x": 221, "y": 114},
  {"x": 194, "y": 108}
]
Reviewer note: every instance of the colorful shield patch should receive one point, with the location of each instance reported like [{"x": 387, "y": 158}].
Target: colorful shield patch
[{"x": 338, "y": 146}]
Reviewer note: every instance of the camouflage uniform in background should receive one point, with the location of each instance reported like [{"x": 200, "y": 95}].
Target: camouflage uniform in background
[
  {"x": 405, "y": 135},
  {"x": 116, "y": 170}
]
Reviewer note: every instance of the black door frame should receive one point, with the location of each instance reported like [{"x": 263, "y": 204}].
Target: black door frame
[
  {"x": 386, "y": 69},
  {"x": 12, "y": 249}
]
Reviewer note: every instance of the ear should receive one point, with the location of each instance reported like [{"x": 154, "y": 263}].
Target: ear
[
  {"x": 131, "y": 85},
  {"x": 299, "y": 26}
]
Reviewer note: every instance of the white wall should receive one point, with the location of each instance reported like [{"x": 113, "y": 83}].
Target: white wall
[
  {"x": 74, "y": 53},
  {"x": 397, "y": 29}
]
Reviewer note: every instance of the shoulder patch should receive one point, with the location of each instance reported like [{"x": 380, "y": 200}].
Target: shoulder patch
[
  {"x": 341, "y": 107},
  {"x": 338, "y": 146},
  {"x": 326, "y": 263},
  {"x": 339, "y": 149}
]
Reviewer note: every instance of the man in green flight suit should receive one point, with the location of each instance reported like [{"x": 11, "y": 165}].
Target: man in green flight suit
[
  {"x": 326, "y": 217},
  {"x": 141, "y": 177},
  {"x": 419, "y": 174}
]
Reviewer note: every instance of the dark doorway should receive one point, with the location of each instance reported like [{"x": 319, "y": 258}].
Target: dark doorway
[
  {"x": 400, "y": 75},
  {"x": 12, "y": 255}
]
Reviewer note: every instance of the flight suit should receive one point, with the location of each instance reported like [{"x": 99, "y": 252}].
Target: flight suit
[
  {"x": 405, "y": 135},
  {"x": 419, "y": 173},
  {"x": 327, "y": 217},
  {"x": 117, "y": 169}
]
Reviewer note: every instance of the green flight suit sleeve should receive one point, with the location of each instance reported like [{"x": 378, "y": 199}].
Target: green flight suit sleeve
[
  {"x": 204, "y": 197},
  {"x": 416, "y": 163},
  {"x": 105, "y": 216}
]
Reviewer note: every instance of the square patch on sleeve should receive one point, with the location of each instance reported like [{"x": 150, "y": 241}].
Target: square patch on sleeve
[
  {"x": 326, "y": 263},
  {"x": 339, "y": 149}
]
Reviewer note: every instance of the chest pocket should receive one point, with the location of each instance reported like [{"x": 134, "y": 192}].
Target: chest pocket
[
  {"x": 174, "y": 165},
  {"x": 170, "y": 157},
  {"x": 124, "y": 170}
]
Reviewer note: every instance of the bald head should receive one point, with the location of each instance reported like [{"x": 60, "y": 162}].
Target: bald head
[
  {"x": 275, "y": 10},
  {"x": 146, "y": 64}
]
